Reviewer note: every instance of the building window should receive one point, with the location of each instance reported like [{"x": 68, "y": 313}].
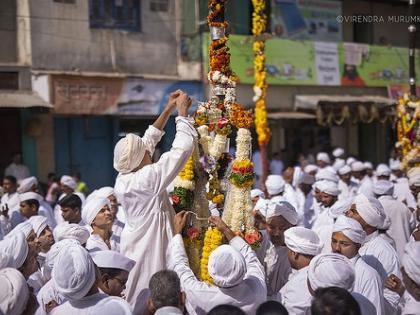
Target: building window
[
  {"x": 66, "y": 1},
  {"x": 119, "y": 14},
  {"x": 159, "y": 5}
]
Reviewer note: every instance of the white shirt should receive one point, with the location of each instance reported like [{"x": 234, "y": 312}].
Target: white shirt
[
  {"x": 366, "y": 187},
  {"x": 347, "y": 190},
  {"x": 46, "y": 211},
  {"x": 403, "y": 193},
  {"x": 13, "y": 202},
  {"x": 368, "y": 283},
  {"x": 149, "y": 214},
  {"x": 409, "y": 305},
  {"x": 95, "y": 243},
  {"x": 202, "y": 297},
  {"x": 305, "y": 208},
  {"x": 295, "y": 295},
  {"x": 19, "y": 171},
  {"x": 403, "y": 222},
  {"x": 382, "y": 257},
  {"x": 80, "y": 307},
  {"x": 168, "y": 310}
]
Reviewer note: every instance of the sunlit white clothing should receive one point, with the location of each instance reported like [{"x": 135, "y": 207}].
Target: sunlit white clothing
[{"x": 83, "y": 306}]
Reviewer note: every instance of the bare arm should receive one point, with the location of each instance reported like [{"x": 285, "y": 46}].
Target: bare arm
[{"x": 169, "y": 108}]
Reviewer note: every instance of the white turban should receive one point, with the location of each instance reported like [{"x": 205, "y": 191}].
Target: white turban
[
  {"x": 350, "y": 228},
  {"x": 344, "y": 170},
  {"x": 371, "y": 210},
  {"x": 30, "y": 196},
  {"x": 226, "y": 266},
  {"x": 52, "y": 254},
  {"x": 338, "y": 163},
  {"x": 257, "y": 193},
  {"x": 358, "y": 166},
  {"x": 24, "y": 227},
  {"x": 338, "y": 152},
  {"x": 112, "y": 259},
  {"x": 92, "y": 208},
  {"x": 112, "y": 305},
  {"x": 383, "y": 170},
  {"x": 26, "y": 184},
  {"x": 284, "y": 209},
  {"x": 71, "y": 231},
  {"x": 368, "y": 166},
  {"x": 302, "y": 240},
  {"x": 395, "y": 165},
  {"x": 14, "y": 292},
  {"x": 103, "y": 192},
  {"x": 74, "y": 272},
  {"x": 39, "y": 223},
  {"x": 383, "y": 187},
  {"x": 6, "y": 260},
  {"x": 411, "y": 261},
  {"x": 262, "y": 206},
  {"x": 414, "y": 176},
  {"x": 350, "y": 161},
  {"x": 49, "y": 293},
  {"x": 306, "y": 178},
  {"x": 340, "y": 207},
  {"x": 68, "y": 181},
  {"x": 331, "y": 270},
  {"x": 128, "y": 153},
  {"x": 327, "y": 173},
  {"x": 15, "y": 246},
  {"x": 328, "y": 187},
  {"x": 275, "y": 184},
  {"x": 322, "y": 156},
  {"x": 310, "y": 168}
]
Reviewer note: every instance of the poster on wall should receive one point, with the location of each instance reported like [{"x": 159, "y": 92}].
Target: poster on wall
[
  {"x": 306, "y": 19},
  {"x": 326, "y": 60}
]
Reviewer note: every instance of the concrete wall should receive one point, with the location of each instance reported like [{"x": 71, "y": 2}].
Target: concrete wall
[
  {"x": 63, "y": 40},
  {"x": 8, "y": 53}
]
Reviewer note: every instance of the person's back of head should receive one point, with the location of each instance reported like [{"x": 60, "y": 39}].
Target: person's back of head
[
  {"x": 165, "y": 290},
  {"x": 334, "y": 301},
  {"x": 225, "y": 309},
  {"x": 271, "y": 308},
  {"x": 71, "y": 201}
]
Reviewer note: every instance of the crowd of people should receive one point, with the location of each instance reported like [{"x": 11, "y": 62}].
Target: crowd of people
[{"x": 338, "y": 237}]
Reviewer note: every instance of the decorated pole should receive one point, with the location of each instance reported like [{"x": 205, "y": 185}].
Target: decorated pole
[
  {"x": 412, "y": 49},
  {"x": 259, "y": 25}
]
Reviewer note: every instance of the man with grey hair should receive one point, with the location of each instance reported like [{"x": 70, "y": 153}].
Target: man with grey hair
[{"x": 165, "y": 294}]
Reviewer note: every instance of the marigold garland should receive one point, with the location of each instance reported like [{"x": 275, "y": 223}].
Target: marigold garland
[{"x": 212, "y": 239}]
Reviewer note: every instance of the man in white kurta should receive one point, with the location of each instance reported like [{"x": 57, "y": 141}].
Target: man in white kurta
[
  {"x": 142, "y": 193},
  {"x": 402, "y": 219},
  {"x": 365, "y": 182},
  {"x": 237, "y": 274},
  {"x": 346, "y": 185}
]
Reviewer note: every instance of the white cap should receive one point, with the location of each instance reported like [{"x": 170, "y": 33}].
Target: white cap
[
  {"x": 275, "y": 184},
  {"x": 395, "y": 165},
  {"x": 327, "y": 173},
  {"x": 383, "y": 187},
  {"x": 39, "y": 223},
  {"x": 368, "y": 165},
  {"x": 68, "y": 181},
  {"x": 257, "y": 193},
  {"x": 262, "y": 206},
  {"x": 26, "y": 184},
  {"x": 112, "y": 259},
  {"x": 322, "y": 156},
  {"x": 302, "y": 240},
  {"x": 306, "y": 178},
  {"x": 328, "y": 187},
  {"x": 284, "y": 209},
  {"x": 344, "y": 170},
  {"x": 358, "y": 166},
  {"x": 338, "y": 152},
  {"x": 350, "y": 228},
  {"x": 350, "y": 160},
  {"x": 30, "y": 196},
  {"x": 383, "y": 170},
  {"x": 92, "y": 208},
  {"x": 371, "y": 210},
  {"x": 310, "y": 168}
]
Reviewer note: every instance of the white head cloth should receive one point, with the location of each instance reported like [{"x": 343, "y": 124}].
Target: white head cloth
[
  {"x": 302, "y": 240},
  {"x": 338, "y": 163},
  {"x": 395, "y": 165},
  {"x": 331, "y": 270},
  {"x": 14, "y": 292},
  {"x": 112, "y": 305},
  {"x": 16, "y": 246},
  {"x": 414, "y": 176},
  {"x": 6, "y": 260},
  {"x": 310, "y": 168},
  {"x": 68, "y": 181},
  {"x": 358, "y": 166},
  {"x": 30, "y": 196},
  {"x": 306, "y": 178},
  {"x": 47, "y": 294},
  {"x": 275, "y": 184},
  {"x": 383, "y": 187},
  {"x": 128, "y": 153},
  {"x": 350, "y": 160},
  {"x": 344, "y": 170},
  {"x": 103, "y": 192},
  {"x": 74, "y": 272},
  {"x": 262, "y": 206},
  {"x": 322, "y": 156},
  {"x": 327, "y": 173},
  {"x": 411, "y": 261},
  {"x": 52, "y": 254},
  {"x": 338, "y": 152},
  {"x": 371, "y": 210},
  {"x": 71, "y": 231},
  {"x": 39, "y": 223},
  {"x": 368, "y": 166},
  {"x": 350, "y": 228},
  {"x": 284, "y": 209},
  {"x": 112, "y": 259},
  {"x": 24, "y": 227},
  {"x": 328, "y": 187},
  {"x": 226, "y": 266},
  {"x": 26, "y": 184},
  {"x": 257, "y": 193},
  {"x": 340, "y": 207},
  {"x": 383, "y": 170},
  {"x": 92, "y": 208}
]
